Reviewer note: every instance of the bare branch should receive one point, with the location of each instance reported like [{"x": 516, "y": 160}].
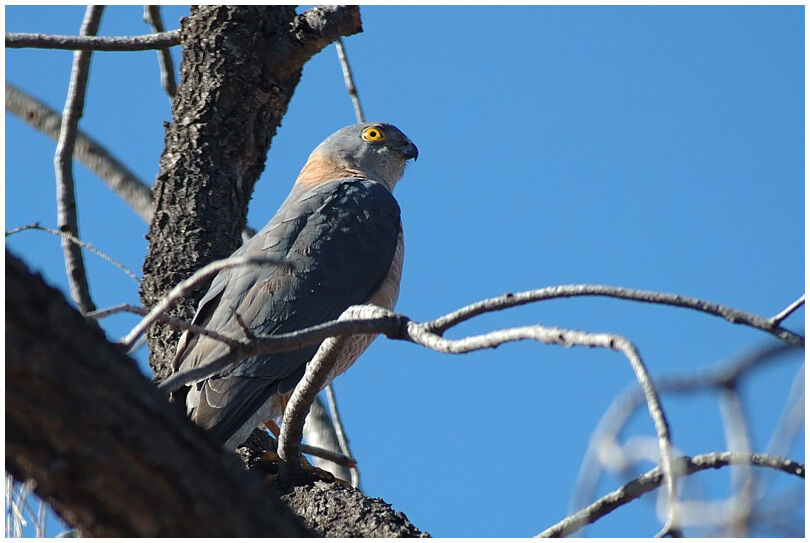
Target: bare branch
[
  {"x": 732, "y": 315},
  {"x": 340, "y": 434},
  {"x": 738, "y": 438},
  {"x": 151, "y": 16},
  {"x": 77, "y": 241},
  {"x": 292, "y": 427},
  {"x": 15, "y": 40},
  {"x": 348, "y": 78},
  {"x": 626, "y": 403},
  {"x": 88, "y": 151},
  {"x": 785, "y": 313},
  {"x": 389, "y": 325},
  {"x": 63, "y": 165},
  {"x": 653, "y": 479},
  {"x": 177, "y": 323},
  {"x": 183, "y": 288}
]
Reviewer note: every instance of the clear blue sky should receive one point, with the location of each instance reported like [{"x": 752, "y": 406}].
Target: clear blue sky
[{"x": 657, "y": 148}]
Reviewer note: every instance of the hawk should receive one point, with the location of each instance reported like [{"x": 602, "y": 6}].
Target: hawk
[{"x": 340, "y": 231}]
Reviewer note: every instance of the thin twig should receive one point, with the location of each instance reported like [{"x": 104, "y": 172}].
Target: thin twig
[
  {"x": 183, "y": 288},
  {"x": 653, "y": 479},
  {"x": 63, "y": 166},
  {"x": 177, "y": 323},
  {"x": 93, "y": 43},
  {"x": 340, "y": 434},
  {"x": 151, "y": 16},
  {"x": 348, "y": 79},
  {"x": 567, "y": 291},
  {"x": 77, "y": 241},
  {"x": 786, "y": 312},
  {"x": 738, "y": 438},
  {"x": 88, "y": 151},
  {"x": 628, "y": 401}
]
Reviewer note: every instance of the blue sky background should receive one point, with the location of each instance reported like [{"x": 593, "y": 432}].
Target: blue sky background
[{"x": 657, "y": 148}]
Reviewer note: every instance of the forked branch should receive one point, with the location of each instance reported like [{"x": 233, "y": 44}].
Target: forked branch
[{"x": 653, "y": 479}]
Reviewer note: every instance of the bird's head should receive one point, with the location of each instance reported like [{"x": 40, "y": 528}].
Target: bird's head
[{"x": 374, "y": 150}]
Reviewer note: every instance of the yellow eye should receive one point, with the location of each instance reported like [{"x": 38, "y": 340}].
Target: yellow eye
[{"x": 373, "y": 134}]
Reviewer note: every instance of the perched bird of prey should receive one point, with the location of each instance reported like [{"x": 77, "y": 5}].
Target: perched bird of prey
[{"x": 340, "y": 230}]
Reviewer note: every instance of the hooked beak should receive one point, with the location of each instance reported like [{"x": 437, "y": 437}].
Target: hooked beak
[{"x": 410, "y": 151}]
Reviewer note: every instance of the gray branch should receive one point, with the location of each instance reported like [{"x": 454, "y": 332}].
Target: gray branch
[
  {"x": 732, "y": 315},
  {"x": 653, "y": 479},
  {"x": 151, "y": 16},
  {"x": 348, "y": 79},
  {"x": 63, "y": 165},
  {"x": 77, "y": 241},
  {"x": 340, "y": 434},
  {"x": 627, "y": 402},
  {"x": 16, "y": 40},
  {"x": 183, "y": 288}
]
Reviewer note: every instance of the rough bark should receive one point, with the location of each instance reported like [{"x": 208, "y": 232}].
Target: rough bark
[
  {"x": 331, "y": 508},
  {"x": 104, "y": 447},
  {"x": 239, "y": 69}
]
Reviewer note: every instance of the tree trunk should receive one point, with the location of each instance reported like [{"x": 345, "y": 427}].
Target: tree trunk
[{"x": 104, "y": 447}]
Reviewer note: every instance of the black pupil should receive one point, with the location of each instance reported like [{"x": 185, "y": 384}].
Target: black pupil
[{"x": 372, "y": 134}]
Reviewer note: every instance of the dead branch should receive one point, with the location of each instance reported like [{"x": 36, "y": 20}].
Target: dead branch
[
  {"x": 340, "y": 434},
  {"x": 348, "y": 79},
  {"x": 185, "y": 287},
  {"x": 63, "y": 165},
  {"x": 626, "y": 403},
  {"x": 151, "y": 16},
  {"x": 77, "y": 241},
  {"x": 16, "y": 40},
  {"x": 653, "y": 479},
  {"x": 735, "y": 316},
  {"x": 785, "y": 313}
]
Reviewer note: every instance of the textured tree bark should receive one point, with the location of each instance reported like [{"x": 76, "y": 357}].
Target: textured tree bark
[
  {"x": 104, "y": 447},
  {"x": 239, "y": 69}
]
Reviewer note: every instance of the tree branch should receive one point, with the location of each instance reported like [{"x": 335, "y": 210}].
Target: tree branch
[
  {"x": 63, "y": 164},
  {"x": 730, "y": 314},
  {"x": 653, "y": 479},
  {"x": 185, "y": 287},
  {"x": 604, "y": 438},
  {"x": 348, "y": 79},
  {"x": 77, "y": 241},
  {"x": 151, "y": 16},
  {"x": 785, "y": 313},
  {"x": 343, "y": 441},
  {"x": 16, "y": 40},
  {"x": 89, "y": 428}
]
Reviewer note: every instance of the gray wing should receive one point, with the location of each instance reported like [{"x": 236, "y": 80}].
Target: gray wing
[{"x": 340, "y": 237}]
